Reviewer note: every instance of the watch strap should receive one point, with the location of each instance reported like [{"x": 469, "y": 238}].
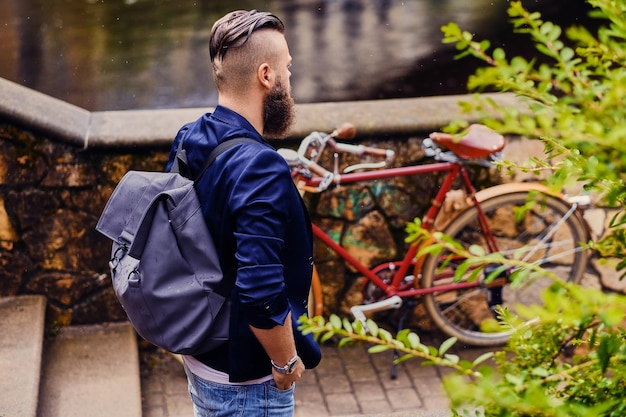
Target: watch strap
[{"x": 289, "y": 367}]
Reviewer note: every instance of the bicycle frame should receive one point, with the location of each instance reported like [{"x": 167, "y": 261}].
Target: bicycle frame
[
  {"x": 459, "y": 307},
  {"x": 401, "y": 267}
]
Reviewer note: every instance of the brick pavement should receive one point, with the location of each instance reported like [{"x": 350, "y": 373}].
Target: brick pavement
[{"x": 349, "y": 381}]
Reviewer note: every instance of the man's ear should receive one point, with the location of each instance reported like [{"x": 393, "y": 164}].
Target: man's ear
[{"x": 265, "y": 75}]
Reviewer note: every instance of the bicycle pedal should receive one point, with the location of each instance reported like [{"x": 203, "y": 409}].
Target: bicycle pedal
[{"x": 393, "y": 302}]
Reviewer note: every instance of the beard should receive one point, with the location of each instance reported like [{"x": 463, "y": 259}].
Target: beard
[{"x": 280, "y": 112}]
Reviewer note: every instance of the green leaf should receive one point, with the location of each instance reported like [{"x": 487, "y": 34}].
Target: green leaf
[
  {"x": 378, "y": 348},
  {"x": 609, "y": 345},
  {"x": 335, "y": 322},
  {"x": 384, "y": 335},
  {"x": 434, "y": 248},
  {"x": 404, "y": 358},
  {"x": 477, "y": 250},
  {"x": 347, "y": 325},
  {"x": 325, "y": 337},
  {"x": 446, "y": 345},
  {"x": 541, "y": 372},
  {"x": 452, "y": 358},
  {"x": 372, "y": 327},
  {"x": 414, "y": 340},
  {"x": 423, "y": 348},
  {"x": 499, "y": 55},
  {"x": 490, "y": 325},
  {"x": 567, "y": 54},
  {"x": 452, "y": 32},
  {"x": 359, "y": 328},
  {"x": 474, "y": 274},
  {"x": 344, "y": 341},
  {"x": 461, "y": 270},
  {"x": 482, "y": 358},
  {"x": 514, "y": 379},
  {"x": 403, "y": 336},
  {"x": 496, "y": 273}
]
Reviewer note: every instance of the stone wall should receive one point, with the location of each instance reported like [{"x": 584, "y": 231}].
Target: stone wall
[{"x": 51, "y": 195}]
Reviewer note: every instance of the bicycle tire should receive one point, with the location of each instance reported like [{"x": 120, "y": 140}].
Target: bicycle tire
[{"x": 460, "y": 313}]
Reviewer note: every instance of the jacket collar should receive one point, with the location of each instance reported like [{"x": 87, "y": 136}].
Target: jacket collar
[{"x": 233, "y": 124}]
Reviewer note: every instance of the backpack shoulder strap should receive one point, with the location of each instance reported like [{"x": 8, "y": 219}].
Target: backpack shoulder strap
[
  {"x": 219, "y": 149},
  {"x": 226, "y": 285},
  {"x": 181, "y": 166}
]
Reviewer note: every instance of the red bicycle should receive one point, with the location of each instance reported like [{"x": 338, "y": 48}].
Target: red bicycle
[{"x": 550, "y": 233}]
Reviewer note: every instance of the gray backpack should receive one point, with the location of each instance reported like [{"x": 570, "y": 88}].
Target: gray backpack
[{"x": 164, "y": 266}]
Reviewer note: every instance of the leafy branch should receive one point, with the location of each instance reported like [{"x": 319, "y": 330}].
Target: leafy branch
[
  {"x": 405, "y": 341},
  {"x": 475, "y": 259}
]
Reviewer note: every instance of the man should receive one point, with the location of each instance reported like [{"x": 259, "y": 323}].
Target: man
[{"x": 261, "y": 227}]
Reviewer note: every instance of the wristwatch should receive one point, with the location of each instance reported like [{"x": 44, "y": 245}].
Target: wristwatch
[{"x": 288, "y": 368}]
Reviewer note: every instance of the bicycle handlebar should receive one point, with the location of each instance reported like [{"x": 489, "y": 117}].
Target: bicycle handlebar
[
  {"x": 313, "y": 145},
  {"x": 361, "y": 150}
]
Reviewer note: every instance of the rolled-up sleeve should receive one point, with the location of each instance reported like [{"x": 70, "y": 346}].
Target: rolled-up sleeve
[{"x": 262, "y": 200}]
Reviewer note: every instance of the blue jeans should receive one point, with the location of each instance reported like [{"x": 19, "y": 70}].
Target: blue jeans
[{"x": 211, "y": 399}]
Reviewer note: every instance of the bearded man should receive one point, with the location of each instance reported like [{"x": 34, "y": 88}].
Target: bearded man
[{"x": 258, "y": 220}]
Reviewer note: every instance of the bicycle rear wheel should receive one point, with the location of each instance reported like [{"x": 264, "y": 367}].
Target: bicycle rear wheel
[{"x": 550, "y": 233}]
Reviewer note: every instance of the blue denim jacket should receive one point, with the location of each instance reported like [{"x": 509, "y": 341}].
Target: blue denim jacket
[{"x": 263, "y": 236}]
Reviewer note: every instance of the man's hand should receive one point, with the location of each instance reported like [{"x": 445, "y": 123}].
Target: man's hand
[
  {"x": 279, "y": 344},
  {"x": 285, "y": 381}
]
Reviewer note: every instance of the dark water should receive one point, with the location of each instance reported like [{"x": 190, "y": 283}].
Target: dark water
[{"x": 143, "y": 54}]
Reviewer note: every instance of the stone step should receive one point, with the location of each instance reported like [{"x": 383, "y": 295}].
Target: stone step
[
  {"x": 21, "y": 340},
  {"x": 91, "y": 371}
]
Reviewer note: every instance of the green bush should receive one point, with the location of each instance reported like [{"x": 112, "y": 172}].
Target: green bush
[
  {"x": 574, "y": 100},
  {"x": 568, "y": 356}
]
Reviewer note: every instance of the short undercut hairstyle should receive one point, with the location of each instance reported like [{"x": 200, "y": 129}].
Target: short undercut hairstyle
[{"x": 231, "y": 37}]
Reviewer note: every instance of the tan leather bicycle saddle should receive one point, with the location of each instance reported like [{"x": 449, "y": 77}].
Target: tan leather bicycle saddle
[{"x": 479, "y": 142}]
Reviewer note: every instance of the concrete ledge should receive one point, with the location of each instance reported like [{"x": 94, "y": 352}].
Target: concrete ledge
[
  {"x": 43, "y": 113},
  {"x": 91, "y": 371},
  {"x": 387, "y": 117},
  {"x": 131, "y": 128},
  {"x": 150, "y": 128},
  {"x": 21, "y": 344}
]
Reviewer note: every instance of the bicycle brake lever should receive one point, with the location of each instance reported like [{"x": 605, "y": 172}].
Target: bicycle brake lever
[{"x": 430, "y": 149}]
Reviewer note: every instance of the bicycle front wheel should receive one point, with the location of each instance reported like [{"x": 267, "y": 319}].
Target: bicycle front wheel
[{"x": 550, "y": 234}]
